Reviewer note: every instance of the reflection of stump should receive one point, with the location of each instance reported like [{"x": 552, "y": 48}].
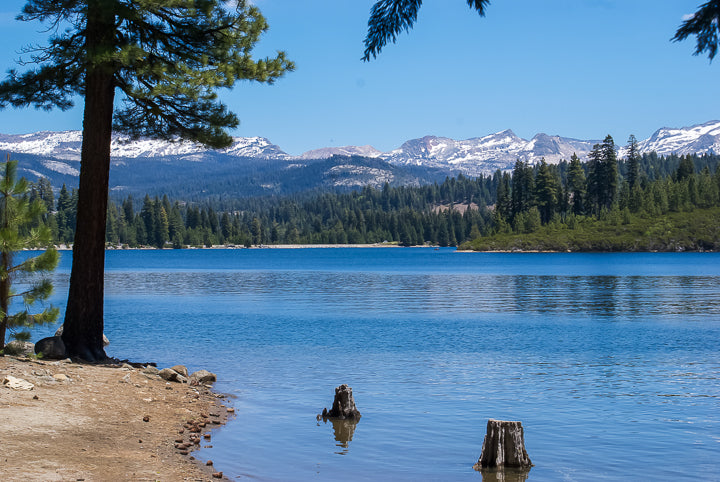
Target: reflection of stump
[
  {"x": 504, "y": 446},
  {"x": 505, "y": 474},
  {"x": 343, "y": 406},
  {"x": 344, "y": 431}
]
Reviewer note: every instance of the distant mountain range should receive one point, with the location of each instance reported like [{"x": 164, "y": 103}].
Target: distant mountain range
[{"x": 253, "y": 165}]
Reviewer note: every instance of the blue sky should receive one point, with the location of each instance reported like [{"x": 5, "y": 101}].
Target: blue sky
[{"x": 577, "y": 68}]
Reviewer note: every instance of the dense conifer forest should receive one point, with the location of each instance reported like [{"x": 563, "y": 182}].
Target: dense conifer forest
[{"x": 643, "y": 202}]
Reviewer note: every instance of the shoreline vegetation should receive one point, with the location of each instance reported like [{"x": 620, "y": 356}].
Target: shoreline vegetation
[
  {"x": 641, "y": 204},
  {"x": 694, "y": 231},
  {"x": 72, "y": 421}
]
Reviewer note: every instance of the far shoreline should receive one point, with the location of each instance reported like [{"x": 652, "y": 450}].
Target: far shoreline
[{"x": 457, "y": 249}]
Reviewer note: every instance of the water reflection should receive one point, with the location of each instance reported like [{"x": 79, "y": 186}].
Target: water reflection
[
  {"x": 344, "y": 431},
  {"x": 504, "y": 475},
  {"x": 436, "y": 293}
]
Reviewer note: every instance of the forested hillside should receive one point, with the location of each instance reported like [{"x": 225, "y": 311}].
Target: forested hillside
[{"x": 640, "y": 203}]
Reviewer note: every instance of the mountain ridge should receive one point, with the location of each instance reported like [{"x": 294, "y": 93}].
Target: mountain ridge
[{"x": 59, "y": 151}]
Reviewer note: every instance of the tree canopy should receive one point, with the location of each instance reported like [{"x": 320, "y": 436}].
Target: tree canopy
[
  {"x": 388, "y": 18},
  {"x": 705, "y": 25},
  {"x": 167, "y": 59}
]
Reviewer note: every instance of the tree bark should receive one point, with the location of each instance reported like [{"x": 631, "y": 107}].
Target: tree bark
[
  {"x": 4, "y": 300},
  {"x": 83, "y": 333}
]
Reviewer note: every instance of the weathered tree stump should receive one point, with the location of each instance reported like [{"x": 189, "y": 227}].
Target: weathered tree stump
[
  {"x": 504, "y": 446},
  {"x": 343, "y": 407}
]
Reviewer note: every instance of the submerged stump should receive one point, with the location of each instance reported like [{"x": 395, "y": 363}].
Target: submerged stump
[
  {"x": 504, "y": 446},
  {"x": 343, "y": 407}
]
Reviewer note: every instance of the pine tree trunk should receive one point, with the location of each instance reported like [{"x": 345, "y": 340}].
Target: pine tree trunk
[
  {"x": 6, "y": 261},
  {"x": 83, "y": 326}
]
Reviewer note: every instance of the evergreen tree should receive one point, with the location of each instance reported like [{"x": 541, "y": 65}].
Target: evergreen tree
[
  {"x": 685, "y": 169},
  {"x": 546, "y": 192},
  {"x": 602, "y": 179},
  {"x": 16, "y": 213},
  {"x": 523, "y": 188},
  {"x": 162, "y": 234},
  {"x": 633, "y": 162},
  {"x": 503, "y": 206},
  {"x": 128, "y": 209},
  {"x": 576, "y": 184},
  {"x": 66, "y": 215},
  {"x": 166, "y": 59}
]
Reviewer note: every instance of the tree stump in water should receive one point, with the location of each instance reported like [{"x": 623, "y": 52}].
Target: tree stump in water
[
  {"x": 343, "y": 407},
  {"x": 504, "y": 446}
]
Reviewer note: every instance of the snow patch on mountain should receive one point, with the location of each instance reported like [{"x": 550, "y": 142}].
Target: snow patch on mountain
[
  {"x": 351, "y": 175},
  {"x": 484, "y": 155},
  {"x": 702, "y": 138},
  {"x": 328, "y": 152},
  {"x": 60, "y": 145},
  {"x": 61, "y": 167},
  {"x": 66, "y": 145}
]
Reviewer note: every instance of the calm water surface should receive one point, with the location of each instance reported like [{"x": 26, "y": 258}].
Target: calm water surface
[{"x": 611, "y": 361}]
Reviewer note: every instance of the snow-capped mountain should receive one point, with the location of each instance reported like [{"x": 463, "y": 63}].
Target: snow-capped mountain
[
  {"x": 703, "y": 138},
  {"x": 67, "y": 144},
  {"x": 327, "y": 152},
  {"x": 484, "y": 155},
  {"x": 60, "y": 151}
]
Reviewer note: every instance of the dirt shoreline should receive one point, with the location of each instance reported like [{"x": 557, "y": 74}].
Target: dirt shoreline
[{"x": 102, "y": 422}]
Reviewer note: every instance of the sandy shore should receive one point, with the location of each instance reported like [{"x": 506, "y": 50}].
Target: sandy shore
[{"x": 88, "y": 422}]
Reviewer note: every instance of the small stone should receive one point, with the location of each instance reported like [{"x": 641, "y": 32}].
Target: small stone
[
  {"x": 36, "y": 397},
  {"x": 139, "y": 441},
  {"x": 217, "y": 475},
  {"x": 203, "y": 376},
  {"x": 179, "y": 440},
  {"x": 209, "y": 462},
  {"x": 207, "y": 436},
  {"x": 184, "y": 452},
  {"x": 181, "y": 369},
  {"x": 230, "y": 410},
  {"x": 17, "y": 383},
  {"x": 169, "y": 374},
  {"x": 17, "y": 347},
  {"x": 146, "y": 418},
  {"x": 150, "y": 370}
]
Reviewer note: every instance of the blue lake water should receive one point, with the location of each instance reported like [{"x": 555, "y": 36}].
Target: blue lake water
[{"x": 611, "y": 361}]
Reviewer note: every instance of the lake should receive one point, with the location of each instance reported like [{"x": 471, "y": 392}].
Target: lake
[{"x": 611, "y": 361}]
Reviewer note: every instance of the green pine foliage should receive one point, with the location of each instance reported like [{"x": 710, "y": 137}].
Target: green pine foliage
[
  {"x": 541, "y": 207},
  {"x": 21, "y": 227}
]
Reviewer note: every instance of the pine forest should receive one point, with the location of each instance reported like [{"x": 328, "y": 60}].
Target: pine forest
[{"x": 640, "y": 203}]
